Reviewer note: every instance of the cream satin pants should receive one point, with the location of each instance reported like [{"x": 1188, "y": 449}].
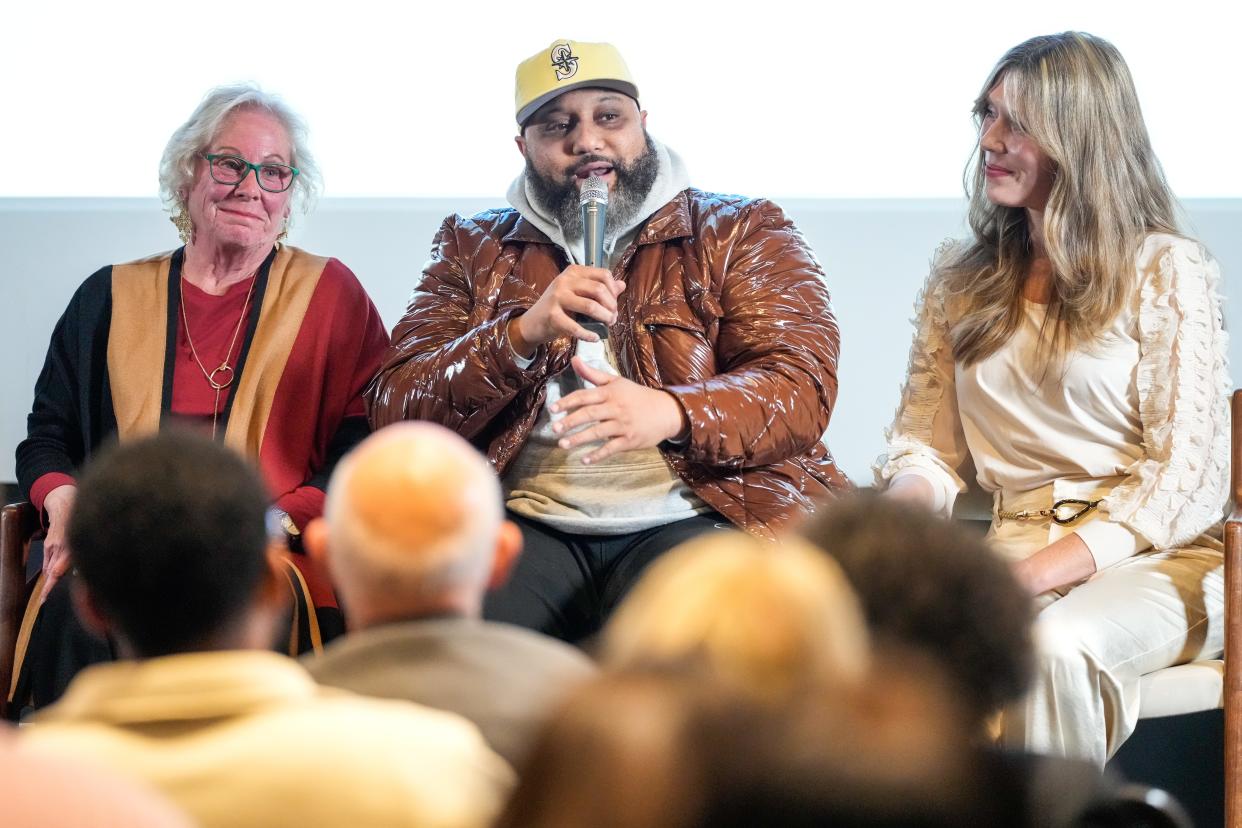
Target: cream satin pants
[{"x": 1094, "y": 640}]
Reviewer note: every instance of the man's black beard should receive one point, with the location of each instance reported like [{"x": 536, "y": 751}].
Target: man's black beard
[{"x": 559, "y": 196}]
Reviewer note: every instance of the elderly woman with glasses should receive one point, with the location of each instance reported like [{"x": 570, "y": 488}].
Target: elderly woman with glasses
[{"x": 264, "y": 346}]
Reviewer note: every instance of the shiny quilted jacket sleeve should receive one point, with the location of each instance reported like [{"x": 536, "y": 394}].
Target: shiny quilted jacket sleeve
[
  {"x": 442, "y": 365},
  {"x": 777, "y": 351}
]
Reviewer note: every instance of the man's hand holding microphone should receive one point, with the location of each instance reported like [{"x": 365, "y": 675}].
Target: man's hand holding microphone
[{"x": 621, "y": 414}]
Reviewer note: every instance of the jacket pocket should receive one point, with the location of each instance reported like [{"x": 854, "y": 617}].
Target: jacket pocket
[
  {"x": 679, "y": 316},
  {"x": 678, "y": 343}
]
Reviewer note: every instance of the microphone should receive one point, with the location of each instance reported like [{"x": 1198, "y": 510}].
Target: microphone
[
  {"x": 593, "y": 197},
  {"x": 594, "y": 201}
]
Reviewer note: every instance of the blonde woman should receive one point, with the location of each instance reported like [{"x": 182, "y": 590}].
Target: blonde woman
[
  {"x": 764, "y": 619},
  {"x": 1073, "y": 350}
]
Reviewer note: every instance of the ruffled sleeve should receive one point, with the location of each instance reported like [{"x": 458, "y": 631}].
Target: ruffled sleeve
[
  {"x": 926, "y": 437},
  {"x": 1180, "y": 487}
]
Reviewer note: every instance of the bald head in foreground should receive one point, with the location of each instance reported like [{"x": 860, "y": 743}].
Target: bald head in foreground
[
  {"x": 414, "y": 527},
  {"x": 414, "y": 535}
]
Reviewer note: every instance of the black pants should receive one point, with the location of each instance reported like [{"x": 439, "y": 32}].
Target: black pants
[{"x": 567, "y": 586}]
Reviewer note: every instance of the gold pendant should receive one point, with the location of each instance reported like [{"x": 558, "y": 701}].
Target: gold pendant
[{"x": 227, "y": 371}]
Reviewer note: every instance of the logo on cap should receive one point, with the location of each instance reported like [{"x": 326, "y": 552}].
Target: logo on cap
[{"x": 564, "y": 61}]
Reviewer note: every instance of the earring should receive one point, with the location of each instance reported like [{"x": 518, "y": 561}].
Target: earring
[
  {"x": 185, "y": 228},
  {"x": 284, "y": 233}
]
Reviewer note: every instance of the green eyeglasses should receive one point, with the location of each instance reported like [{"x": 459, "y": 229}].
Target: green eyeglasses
[{"x": 233, "y": 169}]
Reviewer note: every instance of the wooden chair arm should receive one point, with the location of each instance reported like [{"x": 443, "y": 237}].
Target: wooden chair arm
[
  {"x": 18, "y": 524},
  {"x": 1233, "y": 626},
  {"x": 1233, "y": 669}
]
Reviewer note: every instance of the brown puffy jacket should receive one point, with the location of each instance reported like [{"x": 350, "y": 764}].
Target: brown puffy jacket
[{"x": 725, "y": 307}]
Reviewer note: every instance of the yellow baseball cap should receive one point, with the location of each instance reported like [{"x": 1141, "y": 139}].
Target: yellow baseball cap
[{"x": 566, "y": 65}]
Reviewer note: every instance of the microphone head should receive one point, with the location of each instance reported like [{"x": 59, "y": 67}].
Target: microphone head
[{"x": 594, "y": 189}]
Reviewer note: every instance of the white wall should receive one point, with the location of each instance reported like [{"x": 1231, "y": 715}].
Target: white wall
[
  {"x": 785, "y": 97},
  {"x": 875, "y": 254}
]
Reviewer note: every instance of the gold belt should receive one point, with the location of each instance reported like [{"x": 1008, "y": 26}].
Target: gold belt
[{"x": 1077, "y": 508}]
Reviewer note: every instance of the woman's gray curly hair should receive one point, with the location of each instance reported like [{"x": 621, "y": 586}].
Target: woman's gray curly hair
[{"x": 193, "y": 137}]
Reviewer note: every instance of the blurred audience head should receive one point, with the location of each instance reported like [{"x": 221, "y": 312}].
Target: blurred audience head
[
  {"x": 54, "y": 792},
  {"x": 614, "y": 756},
  {"x": 679, "y": 749},
  {"x": 931, "y": 586},
  {"x": 414, "y": 525},
  {"x": 1135, "y": 806},
  {"x": 766, "y": 618},
  {"x": 169, "y": 542},
  {"x": 890, "y": 753}
]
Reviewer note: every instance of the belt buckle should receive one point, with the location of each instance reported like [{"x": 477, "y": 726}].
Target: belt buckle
[{"x": 1077, "y": 506}]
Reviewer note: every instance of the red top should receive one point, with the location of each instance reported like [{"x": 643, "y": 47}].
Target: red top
[
  {"x": 212, "y": 322},
  {"x": 336, "y": 352}
]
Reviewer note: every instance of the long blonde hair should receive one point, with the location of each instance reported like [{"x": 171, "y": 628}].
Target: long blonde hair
[{"x": 1073, "y": 95}]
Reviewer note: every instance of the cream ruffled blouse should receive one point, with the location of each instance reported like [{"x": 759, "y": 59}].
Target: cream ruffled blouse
[{"x": 1148, "y": 403}]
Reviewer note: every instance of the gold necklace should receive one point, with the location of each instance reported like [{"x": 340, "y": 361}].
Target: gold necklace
[{"x": 225, "y": 370}]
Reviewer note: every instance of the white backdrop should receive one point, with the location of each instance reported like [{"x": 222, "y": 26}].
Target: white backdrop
[{"x": 790, "y": 99}]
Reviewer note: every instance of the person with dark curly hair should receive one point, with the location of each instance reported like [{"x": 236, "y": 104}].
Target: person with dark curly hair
[
  {"x": 935, "y": 595},
  {"x": 934, "y": 587}
]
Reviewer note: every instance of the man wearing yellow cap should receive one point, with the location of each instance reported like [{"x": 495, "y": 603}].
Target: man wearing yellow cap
[{"x": 700, "y": 407}]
